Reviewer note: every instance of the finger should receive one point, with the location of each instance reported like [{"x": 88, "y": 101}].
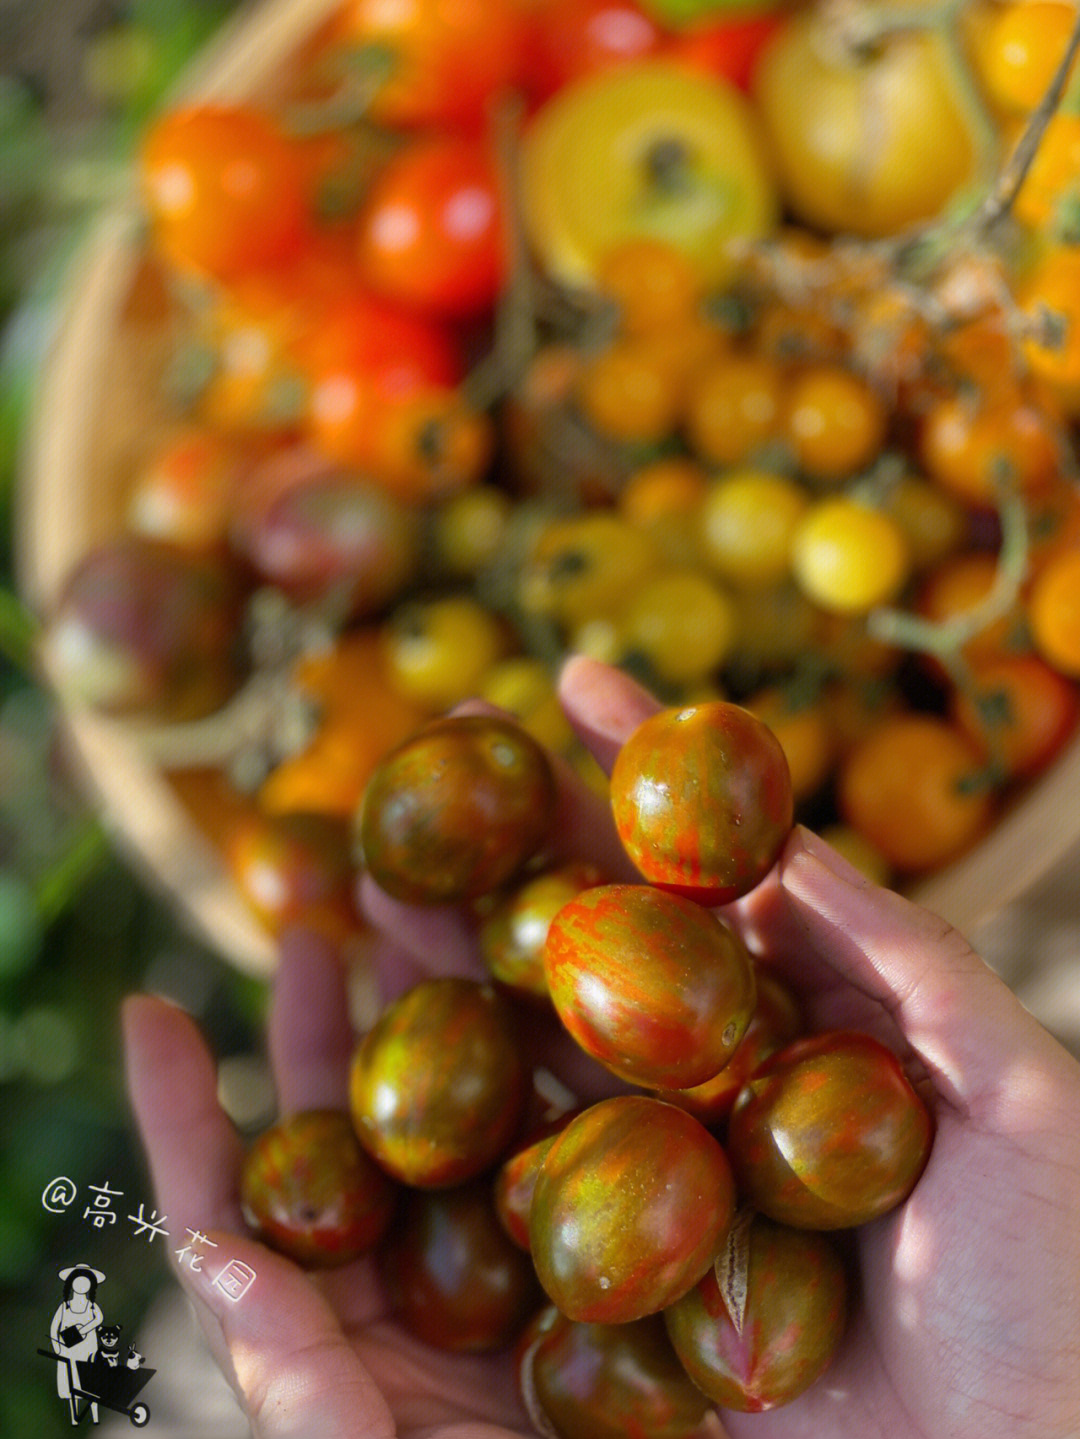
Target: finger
[
  {"x": 603, "y": 705},
  {"x": 439, "y": 938},
  {"x": 309, "y": 1034},
  {"x": 193, "y": 1150},
  {"x": 295, "y": 1372},
  {"x": 952, "y": 1009}
]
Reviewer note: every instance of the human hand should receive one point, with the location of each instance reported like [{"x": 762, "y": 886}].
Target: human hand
[{"x": 966, "y": 1323}]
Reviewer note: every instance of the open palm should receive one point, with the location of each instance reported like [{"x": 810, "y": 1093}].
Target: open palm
[{"x": 966, "y": 1323}]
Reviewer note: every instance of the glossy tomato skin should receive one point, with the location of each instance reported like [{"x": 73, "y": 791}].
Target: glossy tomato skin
[
  {"x": 629, "y": 1206},
  {"x": 142, "y": 627},
  {"x": 829, "y": 1133},
  {"x": 452, "y": 1276},
  {"x": 571, "y": 38},
  {"x": 448, "y": 58},
  {"x": 702, "y": 800},
  {"x": 310, "y": 1191},
  {"x": 513, "y": 931},
  {"x": 225, "y": 191},
  {"x": 333, "y": 533},
  {"x": 430, "y": 231},
  {"x": 295, "y": 868},
  {"x": 777, "y": 1020},
  {"x": 455, "y": 811},
  {"x": 813, "y": 97},
  {"x": 515, "y": 1180},
  {"x": 605, "y": 1381},
  {"x": 361, "y": 357},
  {"x": 655, "y": 987},
  {"x": 437, "y": 1086},
  {"x": 764, "y": 1322}
]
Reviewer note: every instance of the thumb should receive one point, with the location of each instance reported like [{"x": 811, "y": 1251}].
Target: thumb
[{"x": 292, "y": 1367}]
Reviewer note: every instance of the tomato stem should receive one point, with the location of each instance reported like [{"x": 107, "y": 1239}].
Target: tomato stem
[
  {"x": 946, "y": 638},
  {"x": 1003, "y": 195}
]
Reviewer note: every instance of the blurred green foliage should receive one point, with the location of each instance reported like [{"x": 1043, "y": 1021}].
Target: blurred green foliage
[{"x": 78, "y": 930}]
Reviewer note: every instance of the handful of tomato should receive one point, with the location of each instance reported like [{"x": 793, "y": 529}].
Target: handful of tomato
[{"x": 677, "y": 1229}]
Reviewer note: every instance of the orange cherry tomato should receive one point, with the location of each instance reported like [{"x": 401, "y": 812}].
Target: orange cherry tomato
[
  {"x": 430, "y": 233},
  {"x": 834, "y": 421},
  {"x": 1020, "y": 51},
  {"x": 1020, "y": 711},
  {"x": 362, "y": 716},
  {"x": 1053, "y": 611},
  {"x": 915, "y": 789},
  {"x": 654, "y": 285},
  {"x": 966, "y": 443},
  {"x": 445, "y": 60},
  {"x": 431, "y": 444},
  {"x": 1050, "y": 194},
  {"x": 1051, "y": 292},
  {"x": 734, "y": 407},
  {"x": 225, "y": 190}
]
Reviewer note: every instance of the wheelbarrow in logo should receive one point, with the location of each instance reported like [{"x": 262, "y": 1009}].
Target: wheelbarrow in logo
[{"x": 93, "y": 1370}]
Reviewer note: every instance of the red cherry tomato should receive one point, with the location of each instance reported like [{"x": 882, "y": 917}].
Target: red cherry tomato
[
  {"x": 447, "y": 58},
  {"x": 575, "y": 37},
  {"x": 728, "y": 47},
  {"x": 364, "y": 356},
  {"x": 430, "y": 234},
  {"x": 225, "y": 190}
]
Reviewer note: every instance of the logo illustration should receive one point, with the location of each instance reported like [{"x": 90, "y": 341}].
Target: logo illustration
[{"x": 92, "y": 1368}]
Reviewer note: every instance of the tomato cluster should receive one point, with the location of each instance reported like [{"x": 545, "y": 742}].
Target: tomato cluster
[
  {"x": 652, "y": 1253},
  {"x": 510, "y": 330}
]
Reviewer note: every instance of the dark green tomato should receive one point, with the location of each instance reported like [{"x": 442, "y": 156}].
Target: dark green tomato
[
  {"x": 607, "y": 1381},
  {"x": 829, "y": 1133},
  {"x": 330, "y": 533},
  {"x": 702, "y": 800},
  {"x": 516, "y": 1179},
  {"x": 146, "y": 628},
  {"x": 438, "y": 1086},
  {"x": 455, "y": 811},
  {"x": 295, "y": 868},
  {"x": 308, "y": 1190},
  {"x": 655, "y": 987},
  {"x": 452, "y": 1275},
  {"x": 629, "y": 1208},
  {"x": 513, "y": 932},
  {"x": 765, "y": 1321},
  {"x": 776, "y": 1021}
]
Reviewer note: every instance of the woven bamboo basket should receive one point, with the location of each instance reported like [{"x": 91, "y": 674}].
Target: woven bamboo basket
[{"x": 99, "y": 399}]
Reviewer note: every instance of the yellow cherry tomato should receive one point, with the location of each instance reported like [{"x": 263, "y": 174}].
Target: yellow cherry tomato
[
  {"x": 866, "y": 141},
  {"x": 848, "y": 557},
  {"x": 645, "y": 149},
  {"x": 437, "y": 651},
  {"x": 585, "y": 567},
  {"x": 748, "y": 520},
  {"x": 681, "y": 624},
  {"x": 523, "y": 686}
]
